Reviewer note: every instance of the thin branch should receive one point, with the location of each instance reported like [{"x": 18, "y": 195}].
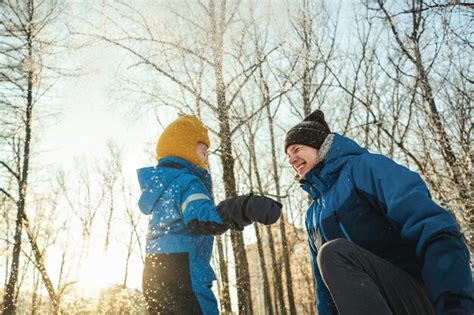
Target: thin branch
[
  {"x": 7, "y": 194},
  {"x": 10, "y": 170}
]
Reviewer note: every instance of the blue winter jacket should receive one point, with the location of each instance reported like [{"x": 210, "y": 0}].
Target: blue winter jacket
[
  {"x": 178, "y": 195},
  {"x": 385, "y": 208}
]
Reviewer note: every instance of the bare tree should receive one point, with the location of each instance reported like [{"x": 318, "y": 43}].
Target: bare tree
[
  {"x": 22, "y": 44},
  {"x": 81, "y": 194},
  {"x": 313, "y": 45},
  {"x": 126, "y": 201},
  {"x": 109, "y": 173}
]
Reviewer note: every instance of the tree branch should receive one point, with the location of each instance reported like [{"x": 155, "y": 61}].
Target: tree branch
[
  {"x": 10, "y": 170},
  {"x": 7, "y": 194}
]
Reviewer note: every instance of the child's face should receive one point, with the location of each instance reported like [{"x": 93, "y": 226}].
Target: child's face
[{"x": 201, "y": 151}]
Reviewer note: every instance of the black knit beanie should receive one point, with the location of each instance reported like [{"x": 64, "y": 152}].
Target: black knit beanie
[{"x": 311, "y": 131}]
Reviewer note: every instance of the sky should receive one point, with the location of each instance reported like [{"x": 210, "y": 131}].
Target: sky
[{"x": 90, "y": 116}]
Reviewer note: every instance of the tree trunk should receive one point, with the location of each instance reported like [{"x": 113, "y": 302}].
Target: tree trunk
[
  {"x": 284, "y": 241},
  {"x": 238, "y": 246},
  {"x": 260, "y": 246},
  {"x": 127, "y": 260},
  {"x": 110, "y": 216},
  {"x": 224, "y": 292},
  {"x": 263, "y": 267},
  {"x": 39, "y": 262},
  {"x": 9, "y": 306},
  {"x": 34, "y": 294}
]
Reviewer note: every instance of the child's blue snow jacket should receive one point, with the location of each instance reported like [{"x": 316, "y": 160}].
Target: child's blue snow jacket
[
  {"x": 178, "y": 195},
  {"x": 385, "y": 208}
]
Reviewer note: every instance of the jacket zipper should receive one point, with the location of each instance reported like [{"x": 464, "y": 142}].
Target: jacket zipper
[
  {"x": 343, "y": 230},
  {"x": 321, "y": 207}
]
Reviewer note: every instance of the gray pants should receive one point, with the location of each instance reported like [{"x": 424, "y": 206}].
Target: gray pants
[{"x": 363, "y": 283}]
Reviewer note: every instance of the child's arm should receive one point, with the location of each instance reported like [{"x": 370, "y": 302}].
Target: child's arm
[
  {"x": 199, "y": 211},
  {"x": 201, "y": 215}
]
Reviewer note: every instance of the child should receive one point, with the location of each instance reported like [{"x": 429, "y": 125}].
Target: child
[{"x": 177, "y": 276}]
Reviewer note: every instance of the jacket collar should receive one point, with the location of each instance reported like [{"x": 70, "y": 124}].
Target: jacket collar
[{"x": 335, "y": 151}]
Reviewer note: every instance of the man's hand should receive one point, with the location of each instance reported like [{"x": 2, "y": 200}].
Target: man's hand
[{"x": 243, "y": 210}]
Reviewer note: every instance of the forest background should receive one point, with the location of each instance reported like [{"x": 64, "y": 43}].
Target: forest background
[{"x": 87, "y": 86}]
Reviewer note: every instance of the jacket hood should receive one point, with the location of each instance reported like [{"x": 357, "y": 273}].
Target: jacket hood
[
  {"x": 335, "y": 152},
  {"x": 155, "y": 180}
]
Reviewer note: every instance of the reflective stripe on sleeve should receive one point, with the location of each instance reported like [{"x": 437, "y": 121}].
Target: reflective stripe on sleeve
[{"x": 193, "y": 197}]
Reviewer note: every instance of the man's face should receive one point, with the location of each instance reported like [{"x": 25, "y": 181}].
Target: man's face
[
  {"x": 302, "y": 158},
  {"x": 201, "y": 151}
]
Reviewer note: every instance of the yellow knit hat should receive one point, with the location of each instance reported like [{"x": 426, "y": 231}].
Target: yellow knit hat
[{"x": 180, "y": 138}]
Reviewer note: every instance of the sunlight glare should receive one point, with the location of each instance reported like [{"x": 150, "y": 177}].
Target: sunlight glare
[{"x": 100, "y": 270}]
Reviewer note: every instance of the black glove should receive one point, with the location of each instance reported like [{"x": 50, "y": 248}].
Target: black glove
[
  {"x": 262, "y": 209},
  {"x": 240, "y": 211},
  {"x": 231, "y": 212}
]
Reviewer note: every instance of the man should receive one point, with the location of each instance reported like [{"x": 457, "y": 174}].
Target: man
[{"x": 378, "y": 243}]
